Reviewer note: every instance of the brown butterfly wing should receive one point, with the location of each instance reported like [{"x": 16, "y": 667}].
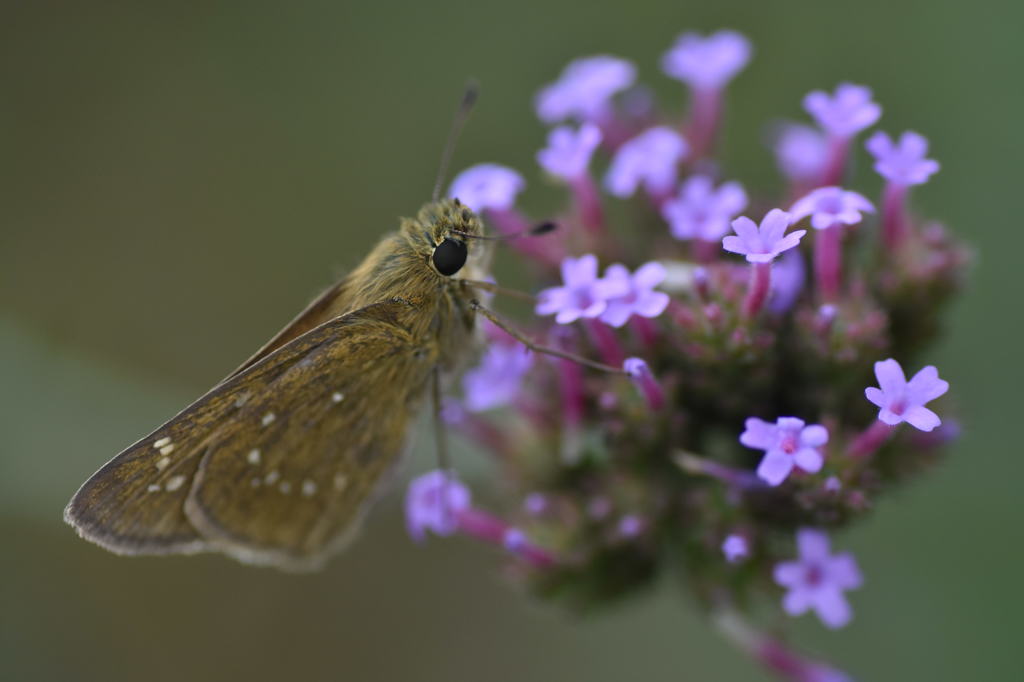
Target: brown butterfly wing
[
  {"x": 329, "y": 304},
  {"x": 327, "y": 414}
]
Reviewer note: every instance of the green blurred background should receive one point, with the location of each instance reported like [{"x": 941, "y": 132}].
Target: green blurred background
[{"x": 178, "y": 179}]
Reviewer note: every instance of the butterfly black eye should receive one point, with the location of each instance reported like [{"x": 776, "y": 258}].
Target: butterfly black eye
[{"x": 449, "y": 256}]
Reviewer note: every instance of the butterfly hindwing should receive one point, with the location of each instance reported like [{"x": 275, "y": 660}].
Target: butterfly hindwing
[
  {"x": 292, "y": 480},
  {"x": 275, "y": 464}
]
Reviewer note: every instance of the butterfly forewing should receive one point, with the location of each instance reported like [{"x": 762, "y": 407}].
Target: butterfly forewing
[{"x": 275, "y": 464}]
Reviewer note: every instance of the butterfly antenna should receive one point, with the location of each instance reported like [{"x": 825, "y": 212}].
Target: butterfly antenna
[{"x": 465, "y": 107}]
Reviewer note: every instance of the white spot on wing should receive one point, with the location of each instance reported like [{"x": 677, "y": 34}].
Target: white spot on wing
[
  {"x": 253, "y": 456},
  {"x": 162, "y": 443},
  {"x": 174, "y": 482},
  {"x": 308, "y": 488},
  {"x": 337, "y": 397},
  {"x": 268, "y": 418},
  {"x": 153, "y": 487},
  {"x": 271, "y": 478},
  {"x": 162, "y": 463},
  {"x": 285, "y": 487},
  {"x": 167, "y": 449},
  {"x": 242, "y": 399}
]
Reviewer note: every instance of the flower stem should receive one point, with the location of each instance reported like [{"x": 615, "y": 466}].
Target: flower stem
[
  {"x": 760, "y": 284},
  {"x": 588, "y": 204},
  {"x": 607, "y": 343},
  {"x": 702, "y": 127},
  {"x": 736, "y": 478},
  {"x": 835, "y": 164},
  {"x": 775, "y": 655},
  {"x": 492, "y": 530},
  {"x": 872, "y": 438},
  {"x": 828, "y": 261},
  {"x": 894, "y": 215}
]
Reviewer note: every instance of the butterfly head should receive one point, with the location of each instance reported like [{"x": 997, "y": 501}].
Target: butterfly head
[{"x": 447, "y": 234}]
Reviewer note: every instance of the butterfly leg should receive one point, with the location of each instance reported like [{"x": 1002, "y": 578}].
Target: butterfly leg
[{"x": 521, "y": 338}]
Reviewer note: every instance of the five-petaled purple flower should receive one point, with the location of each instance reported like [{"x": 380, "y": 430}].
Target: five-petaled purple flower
[
  {"x": 762, "y": 244},
  {"x": 496, "y": 380},
  {"x": 846, "y": 113},
  {"x": 707, "y": 63},
  {"x": 817, "y": 579},
  {"x": 632, "y": 294},
  {"x": 735, "y": 548},
  {"x": 568, "y": 153},
  {"x": 487, "y": 186},
  {"x": 900, "y": 400},
  {"x": 904, "y": 163},
  {"x": 801, "y": 152},
  {"x": 651, "y": 159},
  {"x": 831, "y": 206},
  {"x": 433, "y": 502},
  {"x": 581, "y": 293},
  {"x": 584, "y": 89},
  {"x": 787, "y": 443},
  {"x": 700, "y": 211}
]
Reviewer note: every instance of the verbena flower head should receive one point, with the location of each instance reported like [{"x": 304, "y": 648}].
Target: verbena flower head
[
  {"x": 903, "y": 163},
  {"x": 900, "y": 400},
  {"x": 582, "y": 294},
  {"x": 846, "y": 112},
  {"x": 585, "y": 88},
  {"x": 700, "y": 211},
  {"x": 637, "y": 439},
  {"x": 487, "y": 186},
  {"x": 817, "y": 579},
  {"x": 831, "y": 206},
  {"x": 629, "y": 294},
  {"x": 762, "y": 244},
  {"x": 496, "y": 381},
  {"x": 788, "y": 443},
  {"x": 649, "y": 160},
  {"x": 568, "y": 153},
  {"x": 801, "y": 152},
  {"x": 707, "y": 63},
  {"x": 433, "y": 502}
]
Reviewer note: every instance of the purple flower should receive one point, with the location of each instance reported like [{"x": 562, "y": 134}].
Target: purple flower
[
  {"x": 735, "y": 548},
  {"x": 702, "y": 212},
  {"x": 581, "y": 293},
  {"x": 762, "y": 244},
  {"x": 706, "y": 63},
  {"x": 584, "y": 89},
  {"x": 650, "y": 159},
  {"x": 903, "y": 163},
  {"x": 633, "y": 294},
  {"x": 801, "y": 152},
  {"x": 831, "y": 206},
  {"x": 900, "y": 400},
  {"x": 425, "y": 507},
  {"x": 568, "y": 152},
  {"x": 496, "y": 380},
  {"x": 846, "y": 113},
  {"x": 787, "y": 443},
  {"x": 817, "y": 579},
  {"x": 487, "y": 186}
]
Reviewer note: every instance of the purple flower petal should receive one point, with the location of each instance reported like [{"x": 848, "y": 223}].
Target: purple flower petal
[
  {"x": 707, "y": 63},
  {"x": 585, "y": 88},
  {"x": 650, "y": 160},
  {"x": 487, "y": 186},
  {"x": 845, "y": 113},
  {"x": 775, "y": 466}
]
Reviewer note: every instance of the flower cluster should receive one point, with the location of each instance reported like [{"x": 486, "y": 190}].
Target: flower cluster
[{"x": 744, "y": 426}]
